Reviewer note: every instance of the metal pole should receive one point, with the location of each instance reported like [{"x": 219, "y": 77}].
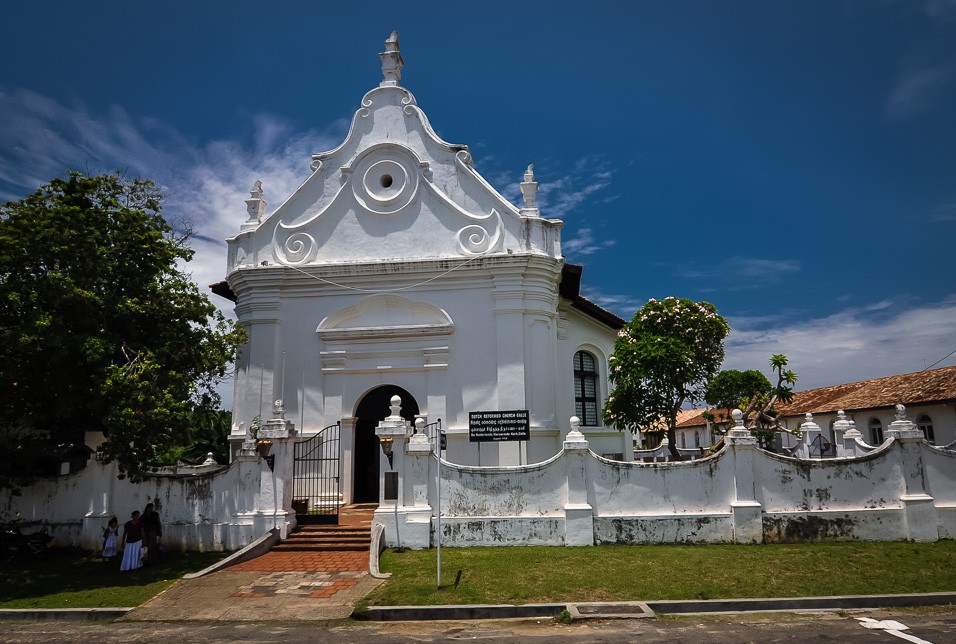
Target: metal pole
[
  {"x": 302, "y": 404},
  {"x": 438, "y": 502},
  {"x": 282, "y": 383},
  {"x": 262, "y": 368}
]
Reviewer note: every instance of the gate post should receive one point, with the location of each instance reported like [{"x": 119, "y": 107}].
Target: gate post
[
  {"x": 276, "y": 440},
  {"x": 392, "y": 434},
  {"x": 417, "y": 510}
]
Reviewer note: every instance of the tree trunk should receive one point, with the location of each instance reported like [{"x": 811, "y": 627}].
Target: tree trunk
[{"x": 672, "y": 437}]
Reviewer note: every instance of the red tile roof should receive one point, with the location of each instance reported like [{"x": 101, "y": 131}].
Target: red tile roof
[{"x": 932, "y": 386}]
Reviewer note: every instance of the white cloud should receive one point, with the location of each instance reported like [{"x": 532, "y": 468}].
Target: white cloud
[
  {"x": 878, "y": 340},
  {"x": 917, "y": 90},
  {"x": 584, "y": 243},
  {"x": 741, "y": 272},
  {"x": 206, "y": 184},
  {"x": 558, "y": 197},
  {"x": 940, "y": 10},
  {"x": 623, "y": 306},
  {"x": 943, "y": 213}
]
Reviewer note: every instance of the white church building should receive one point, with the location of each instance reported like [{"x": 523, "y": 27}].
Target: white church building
[
  {"x": 396, "y": 272},
  {"x": 396, "y": 269}
]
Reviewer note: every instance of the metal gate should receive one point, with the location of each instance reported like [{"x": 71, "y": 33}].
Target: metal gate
[{"x": 316, "y": 476}]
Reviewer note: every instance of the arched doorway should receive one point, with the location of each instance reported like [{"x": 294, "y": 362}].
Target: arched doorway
[{"x": 373, "y": 408}]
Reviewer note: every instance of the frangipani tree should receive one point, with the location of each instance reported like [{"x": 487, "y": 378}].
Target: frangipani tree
[{"x": 663, "y": 358}]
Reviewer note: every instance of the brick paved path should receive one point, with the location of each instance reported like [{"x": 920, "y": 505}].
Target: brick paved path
[
  {"x": 325, "y": 548},
  {"x": 318, "y": 573}
]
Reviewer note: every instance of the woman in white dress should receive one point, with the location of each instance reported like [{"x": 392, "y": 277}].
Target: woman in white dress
[{"x": 132, "y": 543}]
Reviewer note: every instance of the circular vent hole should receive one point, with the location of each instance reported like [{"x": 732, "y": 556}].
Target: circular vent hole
[{"x": 386, "y": 181}]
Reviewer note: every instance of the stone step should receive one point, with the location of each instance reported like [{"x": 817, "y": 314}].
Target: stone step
[
  {"x": 330, "y": 536},
  {"x": 328, "y": 547},
  {"x": 358, "y": 543}
]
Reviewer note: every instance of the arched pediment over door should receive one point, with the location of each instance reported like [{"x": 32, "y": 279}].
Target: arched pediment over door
[{"x": 385, "y": 316}]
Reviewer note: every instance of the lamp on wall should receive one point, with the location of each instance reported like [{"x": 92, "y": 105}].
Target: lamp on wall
[
  {"x": 386, "y": 443},
  {"x": 264, "y": 447}
]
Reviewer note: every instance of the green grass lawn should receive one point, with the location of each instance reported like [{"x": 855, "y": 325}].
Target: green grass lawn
[
  {"x": 77, "y": 579},
  {"x": 529, "y": 574}
]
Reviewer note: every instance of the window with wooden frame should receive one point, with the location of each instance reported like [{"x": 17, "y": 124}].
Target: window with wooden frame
[{"x": 585, "y": 388}]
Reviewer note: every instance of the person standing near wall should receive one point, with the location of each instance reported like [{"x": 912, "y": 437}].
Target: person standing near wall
[
  {"x": 132, "y": 543},
  {"x": 152, "y": 531},
  {"x": 110, "y": 537}
]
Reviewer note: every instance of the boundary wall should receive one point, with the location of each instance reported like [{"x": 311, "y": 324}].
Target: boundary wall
[
  {"x": 202, "y": 508},
  {"x": 905, "y": 489}
]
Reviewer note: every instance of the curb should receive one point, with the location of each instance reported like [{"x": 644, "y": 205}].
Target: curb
[
  {"x": 61, "y": 614},
  {"x": 475, "y": 611},
  {"x": 639, "y": 610},
  {"x": 835, "y": 602}
]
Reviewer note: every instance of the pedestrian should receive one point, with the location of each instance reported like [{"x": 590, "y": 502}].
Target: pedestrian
[
  {"x": 132, "y": 543},
  {"x": 152, "y": 531},
  {"x": 110, "y": 537}
]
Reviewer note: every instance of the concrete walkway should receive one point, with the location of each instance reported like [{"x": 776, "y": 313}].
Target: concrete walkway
[{"x": 279, "y": 585}]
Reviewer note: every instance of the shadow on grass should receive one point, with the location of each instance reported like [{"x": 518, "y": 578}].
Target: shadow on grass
[{"x": 75, "y": 578}]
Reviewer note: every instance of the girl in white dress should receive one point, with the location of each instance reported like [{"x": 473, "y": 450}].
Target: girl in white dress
[{"x": 110, "y": 537}]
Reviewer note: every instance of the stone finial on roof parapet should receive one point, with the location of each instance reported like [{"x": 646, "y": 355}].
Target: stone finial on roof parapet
[
  {"x": 255, "y": 206},
  {"x": 392, "y": 62},
  {"x": 529, "y": 191}
]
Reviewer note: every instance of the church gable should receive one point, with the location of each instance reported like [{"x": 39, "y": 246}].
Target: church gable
[{"x": 393, "y": 190}]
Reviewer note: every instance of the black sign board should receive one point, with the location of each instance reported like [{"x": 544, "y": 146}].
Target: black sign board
[
  {"x": 496, "y": 426},
  {"x": 391, "y": 486}
]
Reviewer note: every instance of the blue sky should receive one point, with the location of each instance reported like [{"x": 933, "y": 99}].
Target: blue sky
[{"x": 792, "y": 162}]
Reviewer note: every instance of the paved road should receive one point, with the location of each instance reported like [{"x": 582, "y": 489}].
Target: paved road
[{"x": 938, "y": 628}]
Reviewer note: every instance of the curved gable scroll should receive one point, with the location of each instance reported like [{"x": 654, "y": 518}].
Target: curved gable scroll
[{"x": 385, "y": 317}]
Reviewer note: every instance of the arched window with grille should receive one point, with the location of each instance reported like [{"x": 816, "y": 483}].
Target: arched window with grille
[
  {"x": 925, "y": 424},
  {"x": 876, "y": 431},
  {"x": 585, "y": 388}
]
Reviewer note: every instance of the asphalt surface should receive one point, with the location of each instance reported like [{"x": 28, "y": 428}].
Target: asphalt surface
[{"x": 936, "y": 627}]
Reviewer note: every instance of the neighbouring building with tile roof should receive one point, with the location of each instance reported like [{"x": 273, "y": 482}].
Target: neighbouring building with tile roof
[{"x": 929, "y": 397}]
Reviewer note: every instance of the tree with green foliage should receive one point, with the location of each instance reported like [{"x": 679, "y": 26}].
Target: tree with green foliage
[
  {"x": 730, "y": 388},
  {"x": 100, "y": 327},
  {"x": 663, "y": 358},
  {"x": 752, "y": 393}
]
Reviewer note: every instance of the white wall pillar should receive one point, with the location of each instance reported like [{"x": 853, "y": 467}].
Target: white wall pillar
[
  {"x": 810, "y": 432},
  {"x": 840, "y": 427},
  {"x": 747, "y": 511},
  {"x": 578, "y": 513},
  {"x": 922, "y": 522}
]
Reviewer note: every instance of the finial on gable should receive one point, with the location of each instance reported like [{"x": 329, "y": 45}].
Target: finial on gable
[
  {"x": 529, "y": 190},
  {"x": 255, "y": 206},
  {"x": 392, "y": 62}
]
